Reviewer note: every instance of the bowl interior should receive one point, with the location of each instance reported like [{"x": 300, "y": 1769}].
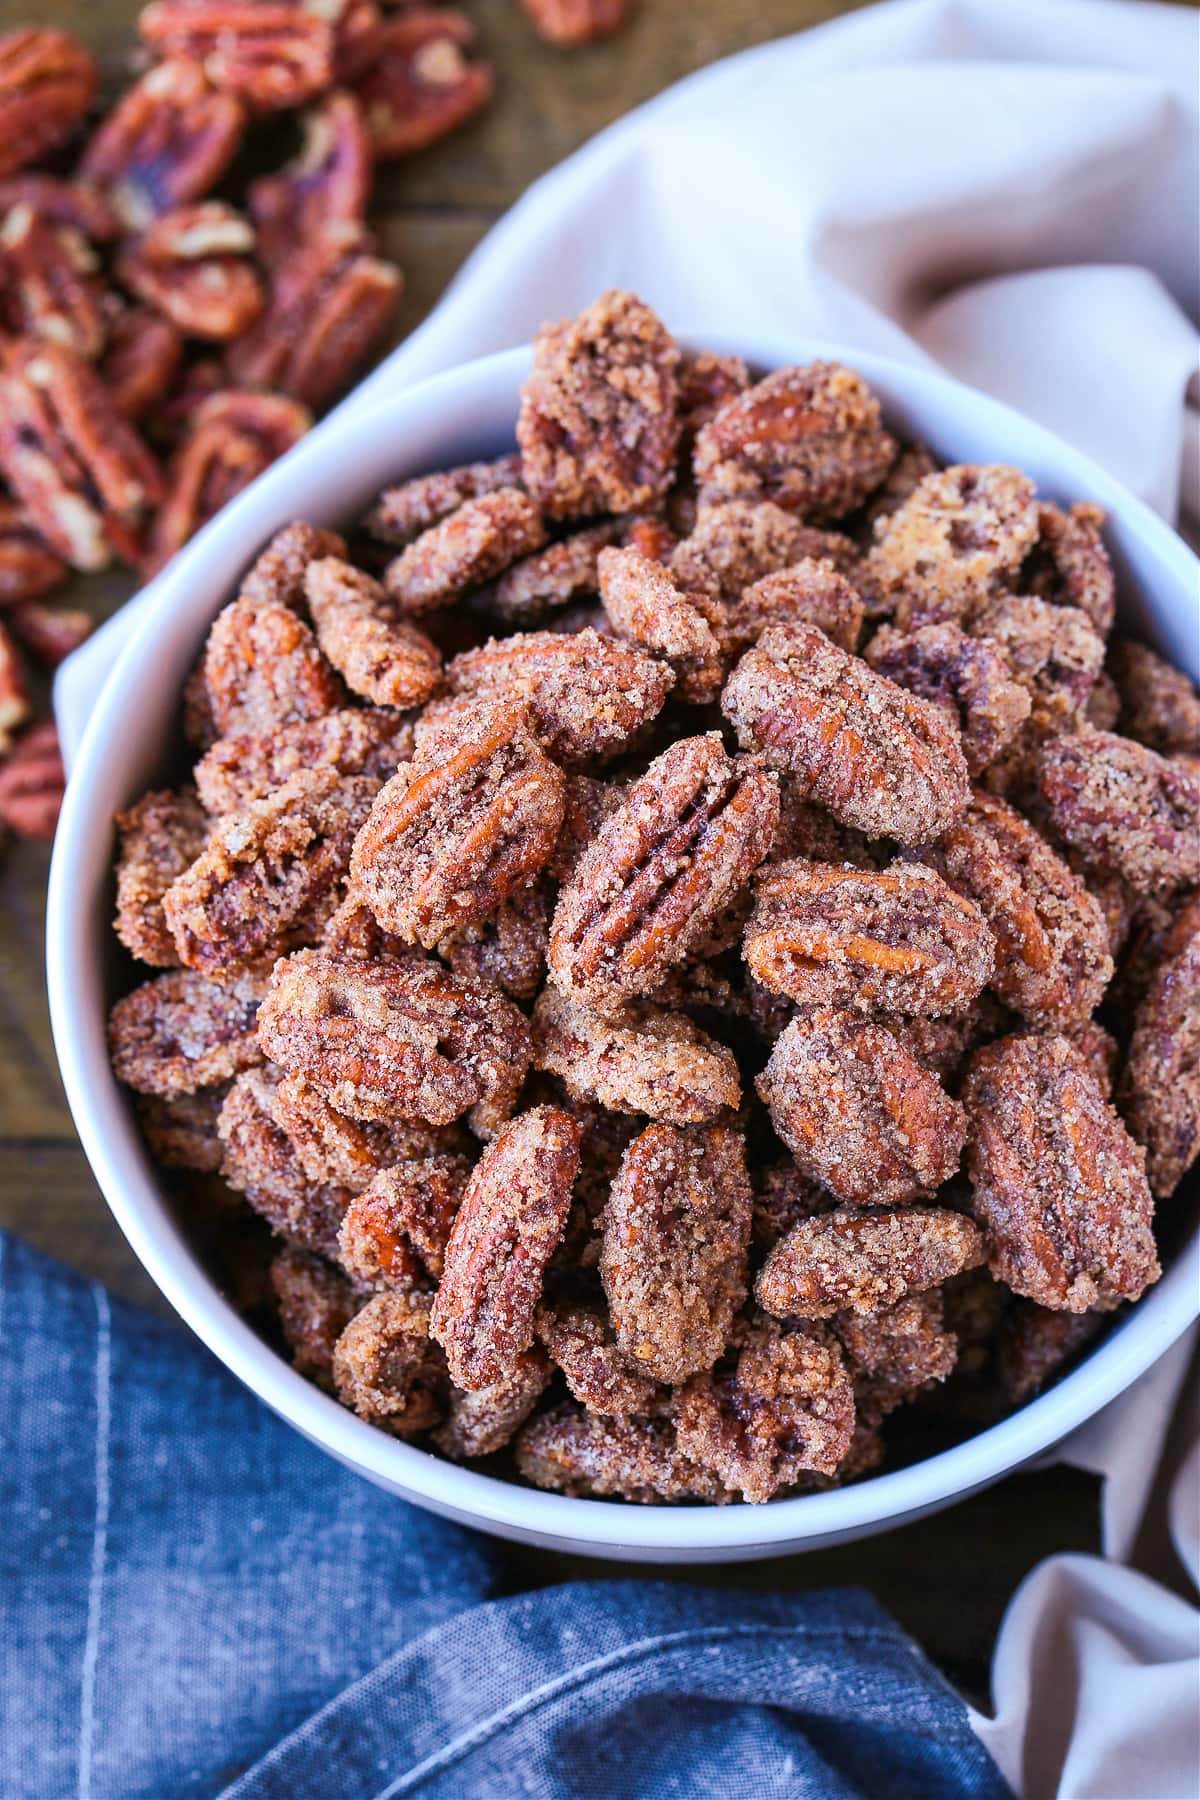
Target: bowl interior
[{"x": 131, "y": 743}]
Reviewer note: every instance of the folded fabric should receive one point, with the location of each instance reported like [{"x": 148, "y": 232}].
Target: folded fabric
[{"x": 194, "y": 1601}]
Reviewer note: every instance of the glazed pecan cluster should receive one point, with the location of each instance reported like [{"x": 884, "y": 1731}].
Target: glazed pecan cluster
[{"x": 641, "y": 932}]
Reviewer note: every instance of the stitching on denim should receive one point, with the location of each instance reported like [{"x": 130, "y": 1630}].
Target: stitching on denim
[{"x": 91, "y": 1645}]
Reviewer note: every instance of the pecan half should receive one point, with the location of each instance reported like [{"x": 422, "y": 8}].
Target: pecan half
[
  {"x": 1160, "y": 1087},
  {"x": 599, "y": 419},
  {"x": 270, "y": 53},
  {"x": 1059, "y": 1184},
  {"x": 673, "y": 1258},
  {"x": 468, "y": 821},
  {"x": 47, "y": 83},
  {"x": 354, "y": 741},
  {"x": 278, "y": 573},
  {"x": 808, "y": 439},
  {"x": 327, "y": 183},
  {"x": 386, "y": 1368},
  {"x": 642, "y": 1059},
  {"x": 50, "y": 282},
  {"x": 482, "y": 1422},
  {"x": 512, "y": 1217},
  {"x": 1159, "y": 706},
  {"x": 142, "y": 360},
  {"x": 266, "y": 878},
  {"x": 421, "y": 82},
  {"x": 587, "y": 695},
  {"x": 581, "y": 1341},
  {"x": 83, "y": 474},
  {"x": 1130, "y": 811},
  {"x": 858, "y": 1112},
  {"x": 382, "y": 1038},
  {"x": 344, "y": 1152},
  {"x": 899, "y": 938},
  {"x": 860, "y": 1261},
  {"x": 809, "y": 592},
  {"x": 582, "y": 1454},
  {"x": 1055, "y": 652},
  {"x": 968, "y": 677},
  {"x": 671, "y": 857},
  {"x": 1069, "y": 565},
  {"x": 180, "y": 1032},
  {"x": 32, "y": 780},
  {"x": 554, "y": 578},
  {"x": 192, "y": 265},
  {"x": 315, "y": 1306},
  {"x": 877, "y": 757},
  {"x": 895, "y": 1353},
  {"x": 1052, "y": 962},
  {"x": 961, "y": 536},
  {"x": 509, "y": 948},
  {"x": 645, "y": 607},
  {"x": 395, "y": 1232},
  {"x": 28, "y": 567},
  {"x": 168, "y": 141},
  {"x": 159, "y": 837},
  {"x": 466, "y": 548},
  {"x": 262, "y": 669},
  {"x": 737, "y": 542},
  {"x": 402, "y": 513},
  {"x": 360, "y": 630}
]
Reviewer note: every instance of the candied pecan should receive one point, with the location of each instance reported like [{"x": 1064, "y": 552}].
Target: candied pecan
[
  {"x": 553, "y": 578},
  {"x": 673, "y": 1259},
  {"x": 1068, "y": 564},
  {"x": 278, "y": 573},
  {"x": 15, "y": 706},
  {"x": 1159, "y": 706},
  {"x": 266, "y": 878},
  {"x": 587, "y": 694},
  {"x": 852, "y": 1261},
  {"x": 84, "y": 475},
  {"x": 262, "y": 669},
  {"x": 808, "y": 439},
  {"x": 328, "y": 305},
  {"x": 511, "y": 1219},
  {"x": 736, "y": 543},
  {"x": 62, "y": 202},
  {"x": 260, "y": 1162},
  {"x": 1059, "y": 1184},
  {"x": 50, "y": 285},
  {"x": 894, "y": 1353},
  {"x": 897, "y": 938},
  {"x": 968, "y": 677},
  {"x": 28, "y": 567},
  {"x": 402, "y": 513},
  {"x": 181, "y": 1133},
  {"x": 1035, "y": 1344},
  {"x": 581, "y": 1341},
  {"x": 191, "y": 264},
  {"x": 159, "y": 837},
  {"x": 644, "y": 606},
  {"x": 354, "y": 741},
  {"x": 782, "y": 1196},
  {"x": 1160, "y": 1086},
  {"x": 464, "y": 549},
  {"x": 1052, "y": 963},
  {"x": 1103, "y": 709},
  {"x": 943, "y": 1045},
  {"x": 785, "y": 1406},
  {"x": 344, "y": 1152},
  {"x": 641, "y": 1059},
  {"x": 272, "y": 54},
  {"x": 509, "y": 948},
  {"x": 315, "y": 1306},
  {"x": 395, "y": 1232},
  {"x": 468, "y": 821},
  {"x": 1128, "y": 810},
  {"x": 569, "y": 23},
  {"x": 588, "y": 803},
  {"x": 858, "y": 1112},
  {"x": 32, "y": 779},
  {"x": 1055, "y": 652},
  {"x": 913, "y": 463},
  {"x": 180, "y": 1032},
  {"x": 961, "y": 535},
  {"x": 482, "y": 1422},
  {"x": 707, "y": 379},
  {"x": 360, "y": 630},
  {"x": 168, "y": 140},
  {"x": 648, "y": 533},
  {"x": 421, "y": 83},
  {"x": 588, "y": 1456},
  {"x": 327, "y": 183},
  {"x": 809, "y": 592},
  {"x": 47, "y": 83},
  {"x": 877, "y": 757},
  {"x": 1098, "y": 1052},
  {"x": 386, "y": 1368},
  {"x": 672, "y": 856},
  {"x": 599, "y": 419},
  {"x": 383, "y": 1038},
  {"x": 141, "y": 362}
]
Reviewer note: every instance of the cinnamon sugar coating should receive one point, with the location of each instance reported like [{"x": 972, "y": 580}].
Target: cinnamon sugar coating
[
  {"x": 962, "y": 534},
  {"x": 276, "y": 576},
  {"x": 897, "y": 939},
  {"x": 858, "y": 1112},
  {"x": 512, "y": 1217},
  {"x": 463, "y": 826},
  {"x": 1058, "y": 1183},
  {"x": 480, "y": 1422},
  {"x": 260, "y": 1162},
  {"x": 385, "y": 1039},
  {"x": 1068, "y": 564},
  {"x": 352, "y": 741},
  {"x": 181, "y": 1133},
  {"x": 645, "y": 607},
  {"x": 783, "y": 1408},
  {"x": 553, "y": 578},
  {"x": 808, "y": 439},
  {"x": 893, "y": 1354},
  {"x": 968, "y": 677},
  {"x": 509, "y": 947},
  {"x": 673, "y": 1260},
  {"x": 262, "y": 669},
  {"x": 378, "y": 655},
  {"x": 1159, "y": 707},
  {"x": 877, "y": 757},
  {"x": 591, "y": 1457},
  {"x": 159, "y": 836},
  {"x": 179, "y": 1032},
  {"x": 402, "y": 513},
  {"x": 1128, "y": 810},
  {"x": 315, "y": 1306},
  {"x": 330, "y": 1147},
  {"x": 386, "y": 1368},
  {"x": 599, "y": 419},
  {"x": 642, "y": 1059},
  {"x": 735, "y": 543},
  {"x": 707, "y": 379},
  {"x": 479, "y": 540},
  {"x": 581, "y": 1342},
  {"x": 861, "y": 1261},
  {"x": 808, "y": 592},
  {"x": 1160, "y": 1086},
  {"x": 394, "y": 1232},
  {"x": 1054, "y": 652}
]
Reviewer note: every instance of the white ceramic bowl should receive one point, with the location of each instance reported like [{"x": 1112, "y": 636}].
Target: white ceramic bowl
[{"x": 329, "y": 478}]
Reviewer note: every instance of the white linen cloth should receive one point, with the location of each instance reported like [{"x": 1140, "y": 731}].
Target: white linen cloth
[{"x": 1008, "y": 188}]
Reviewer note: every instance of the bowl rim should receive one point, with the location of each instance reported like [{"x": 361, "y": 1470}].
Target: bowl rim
[{"x": 606, "y": 1527}]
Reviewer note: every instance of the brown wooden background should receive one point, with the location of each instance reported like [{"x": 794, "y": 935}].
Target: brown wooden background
[{"x": 947, "y": 1578}]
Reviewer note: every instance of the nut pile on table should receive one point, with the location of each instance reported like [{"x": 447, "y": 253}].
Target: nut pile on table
[
  {"x": 688, "y": 937},
  {"x": 160, "y": 347}
]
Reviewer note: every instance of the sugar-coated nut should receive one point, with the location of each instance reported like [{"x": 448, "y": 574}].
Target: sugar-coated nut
[
  {"x": 477, "y": 541},
  {"x": 1160, "y": 1086},
  {"x": 642, "y": 1059},
  {"x": 315, "y": 1306},
  {"x": 386, "y": 1368},
  {"x": 588, "y": 1456},
  {"x": 962, "y": 533},
  {"x": 179, "y": 1032},
  {"x": 378, "y": 654},
  {"x": 160, "y": 836},
  {"x": 860, "y": 1261},
  {"x": 483, "y": 1420},
  {"x": 1128, "y": 810}
]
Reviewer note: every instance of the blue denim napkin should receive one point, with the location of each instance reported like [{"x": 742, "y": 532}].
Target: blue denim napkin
[{"x": 194, "y": 1601}]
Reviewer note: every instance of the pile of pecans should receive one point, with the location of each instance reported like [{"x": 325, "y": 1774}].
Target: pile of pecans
[
  {"x": 715, "y": 810},
  {"x": 161, "y": 347}
]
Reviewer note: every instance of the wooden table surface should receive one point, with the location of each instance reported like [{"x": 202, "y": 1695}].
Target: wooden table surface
[{"x": 949, "y": 1578}]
